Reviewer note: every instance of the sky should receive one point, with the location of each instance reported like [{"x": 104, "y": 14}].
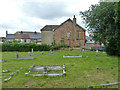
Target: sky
[{"x": 33, "y": 15}]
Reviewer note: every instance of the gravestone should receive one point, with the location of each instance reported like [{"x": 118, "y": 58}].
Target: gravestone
[
  {"x": 4, "y": 60},
  {"x": 11, "y": 74},
  {"x": 4, "y": 71},
  {"x": 96, "y": 50},
  {"x": 69, "y": 49},
  {"x": 17, "y": 70},
  {"x": 17, "y": 56},
  {"x": 29, "y": 53},
  {"x": 21, "y": 67},
  {"x": 32, "y": 50}
]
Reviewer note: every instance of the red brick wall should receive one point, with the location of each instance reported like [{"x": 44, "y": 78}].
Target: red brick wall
[{"x": 69, "y": 27}]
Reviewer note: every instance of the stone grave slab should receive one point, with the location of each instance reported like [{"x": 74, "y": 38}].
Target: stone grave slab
[
  {"x": 45, "y": 69},
  {"x": 71, "y": 56}
]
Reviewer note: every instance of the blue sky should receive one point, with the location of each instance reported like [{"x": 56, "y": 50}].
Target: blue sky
[{"x": 32, "y": 15}]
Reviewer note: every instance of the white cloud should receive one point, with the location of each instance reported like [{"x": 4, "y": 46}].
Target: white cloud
[{"x": 12, "y": 17}]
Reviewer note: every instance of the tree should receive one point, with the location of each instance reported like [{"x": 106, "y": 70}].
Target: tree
[
  {"x": 117, "y": 21},
  {"x": 100, "y": 21}
]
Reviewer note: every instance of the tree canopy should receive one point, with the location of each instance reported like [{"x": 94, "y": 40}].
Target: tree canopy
[{"x": 103, "y": 21}]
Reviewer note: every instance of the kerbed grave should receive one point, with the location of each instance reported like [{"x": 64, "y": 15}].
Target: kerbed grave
[
  {"x": 3, "y": 60},
  {"x": 70, "y": 56},
  {"x": 7, "y": 75},
  {"x": 50, "y": 70}
]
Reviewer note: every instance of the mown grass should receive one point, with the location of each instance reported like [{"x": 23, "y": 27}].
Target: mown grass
[{"x": 80, "y": 72}]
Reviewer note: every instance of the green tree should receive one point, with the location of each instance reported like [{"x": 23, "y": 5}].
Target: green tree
[
  {"x": 100, "y": 21},
  {"x": 117, "y": 21}
]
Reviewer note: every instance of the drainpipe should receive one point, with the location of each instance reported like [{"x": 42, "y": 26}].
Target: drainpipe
[
  {"x": 53, "y": 36},
  {"x": 84, "y": 38}
]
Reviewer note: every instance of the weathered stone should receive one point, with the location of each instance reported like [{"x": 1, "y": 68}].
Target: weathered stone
[
  {"x": 26, "y": 74},
  {"x": 17, "y": 56},
  {"x": 21, "y": 67},
  {"x": 32, "y": 50},
  {"x": 33, "y": 64},
  {"x": 71, "y": 56},
  {"x": 4, "y": 71},
  {"x": 29, "y": 53},
  {"x": 11, "y": 74},
  {"x": 18, "y": 71}
]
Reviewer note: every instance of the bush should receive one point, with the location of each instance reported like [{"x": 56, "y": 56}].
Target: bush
[
  {"x": 24, "y": 47},
  {"x": 57, "y": 47}
]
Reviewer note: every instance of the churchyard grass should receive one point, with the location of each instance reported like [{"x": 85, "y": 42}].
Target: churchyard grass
[{"x": 80, "y": 72}]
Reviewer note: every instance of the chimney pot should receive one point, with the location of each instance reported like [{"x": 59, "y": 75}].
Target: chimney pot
[{"x": 74, "y": 19}]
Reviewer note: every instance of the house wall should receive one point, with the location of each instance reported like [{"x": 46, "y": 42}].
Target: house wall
[
  {"x": 47, "y": 37},
  {"x": 74, "y": 39},
  {"x": 91, "y": 45},
  {"x": 6, "y": 40}
]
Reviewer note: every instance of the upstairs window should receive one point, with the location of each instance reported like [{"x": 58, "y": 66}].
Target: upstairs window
[{"x": 68, "y": 35}]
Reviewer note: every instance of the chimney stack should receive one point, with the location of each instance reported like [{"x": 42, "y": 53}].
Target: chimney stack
[
  {"x": 74, "y": 20},
  {"x": 6, "y": 32}
]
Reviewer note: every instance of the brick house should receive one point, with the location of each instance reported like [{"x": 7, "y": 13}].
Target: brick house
[
  {"x": 24, "y": 37},
  {"x": 69, "y": 32},
  {"x": 90, "y": 43}
]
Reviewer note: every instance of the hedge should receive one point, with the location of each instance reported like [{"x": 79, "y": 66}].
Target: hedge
[{"x": 26, "y": 47}]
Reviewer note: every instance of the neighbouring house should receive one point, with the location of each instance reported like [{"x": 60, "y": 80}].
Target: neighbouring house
[
  {"x": 24, "y": 36},
  {"x": 90, "y": 43},
  {"x": 69, "y": 32}
]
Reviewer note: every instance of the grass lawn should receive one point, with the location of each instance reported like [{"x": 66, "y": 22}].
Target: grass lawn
[{"x": 80, "y": 72}]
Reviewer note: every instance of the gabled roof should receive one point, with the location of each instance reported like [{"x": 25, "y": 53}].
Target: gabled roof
[
  {"x": 49, "y": 27},
  {"x": 64, "y": 22},
  {"x": 54, "y": 27},
  {"x": 10, "y": 36}
]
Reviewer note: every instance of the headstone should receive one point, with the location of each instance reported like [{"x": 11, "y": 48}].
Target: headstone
[
  {"x": 11, "y": 74},
  {"x": 21, "y": 67},
  {"x": 4, "y": 60},
  {"x": 69, "y": 49},
  {"x": 18, "y": 71},
  {"x": 29, "y": 53},
  {"x": 32, "y": 50},
  {"x": 96, "y": 54},
  {"x": 4, "y": 71},
  {"x": 33, "y": 64},
  {"x": 96, "y": 50},
  {"x": 17, "y": 56},
  {"x": 26, "y": 74}
]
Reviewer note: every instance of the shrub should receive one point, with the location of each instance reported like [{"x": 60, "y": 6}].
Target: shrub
[
  {"x": 24, "y": 47},
  {"x": 57, "y": 47}
]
